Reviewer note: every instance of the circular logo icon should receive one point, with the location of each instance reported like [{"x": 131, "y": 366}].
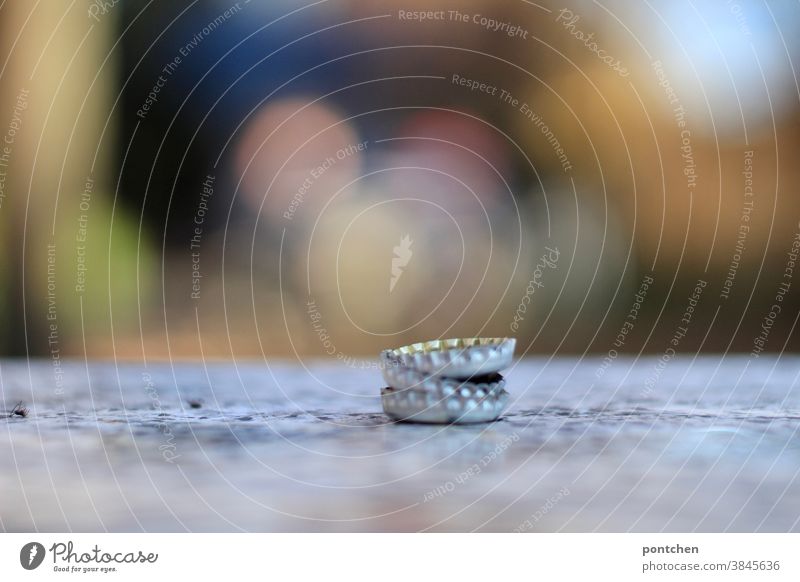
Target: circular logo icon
[{"x": 31, "y": 555}]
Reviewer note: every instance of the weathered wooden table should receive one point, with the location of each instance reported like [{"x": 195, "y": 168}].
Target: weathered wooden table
[{"x": 706, "y": 444}]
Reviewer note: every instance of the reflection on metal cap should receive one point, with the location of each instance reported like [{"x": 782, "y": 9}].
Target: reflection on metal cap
[
  {"x": 454, "y": 358},
  {"x": 460, "y": 407}
]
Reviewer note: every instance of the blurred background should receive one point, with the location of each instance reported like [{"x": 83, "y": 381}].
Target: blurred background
[{"x": 215, "y": 179}]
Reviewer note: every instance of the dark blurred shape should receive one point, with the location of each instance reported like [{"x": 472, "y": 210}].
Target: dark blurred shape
[{"x": 252, "y": 178}]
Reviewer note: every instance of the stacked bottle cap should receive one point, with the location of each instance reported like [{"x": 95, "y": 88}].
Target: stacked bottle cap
[{"x": 447, "y": 381}]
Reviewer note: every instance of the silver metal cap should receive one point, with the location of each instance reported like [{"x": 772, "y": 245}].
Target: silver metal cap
[{"x": 464, "y": 406}]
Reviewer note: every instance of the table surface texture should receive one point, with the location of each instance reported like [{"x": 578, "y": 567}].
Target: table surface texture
[{"x": 694, "y": 444}]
